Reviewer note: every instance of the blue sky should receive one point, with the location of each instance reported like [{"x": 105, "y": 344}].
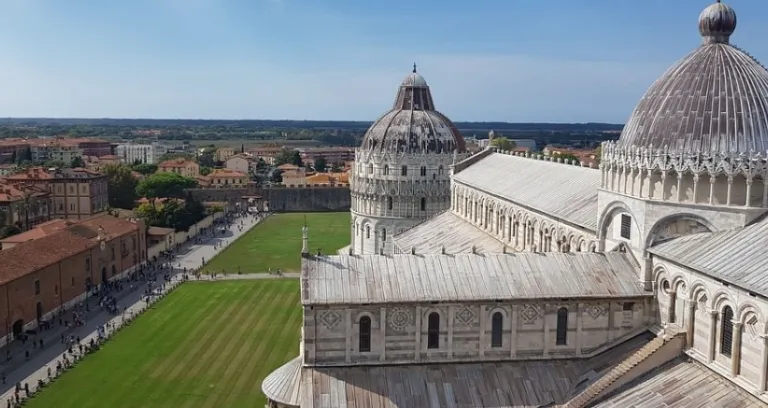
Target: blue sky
[{"x": 500, "y": 60}]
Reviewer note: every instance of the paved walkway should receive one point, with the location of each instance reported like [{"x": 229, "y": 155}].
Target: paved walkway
[{"x": 190, "y": 255}]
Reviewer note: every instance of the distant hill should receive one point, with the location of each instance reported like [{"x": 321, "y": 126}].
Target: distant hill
[{"x": 308, "y": 124}]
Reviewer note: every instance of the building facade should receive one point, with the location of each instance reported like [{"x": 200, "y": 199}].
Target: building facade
[
  {"x": 242, "y": 163},
  {"x": 401, "y": 174},
  {"x": 186, "y": 168},
  {"x": 24, "y": 206},
  {"x": 130, "y": 153},
  {"x": 43, "y": 275}
]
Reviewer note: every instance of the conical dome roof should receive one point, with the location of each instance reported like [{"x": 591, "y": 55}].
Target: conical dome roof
[
  {"x": 714, "y": 100},
  {"x": 413, "y": 125}
]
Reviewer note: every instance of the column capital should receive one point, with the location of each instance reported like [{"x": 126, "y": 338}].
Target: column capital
[
  {"x": 714, "y": 313},
  {"x": 737, "y": 324}
]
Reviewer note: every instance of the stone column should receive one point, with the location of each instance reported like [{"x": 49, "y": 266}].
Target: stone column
[
  {"x": 417, "y": 340},
  {"x": 611, "y": 324},
  {"x": 691, "y": 321},
  {"x": 513, "y": 332},
  {"x": 672, "y": 308},
  {"x": 712, "y": 335},
  {"x": 348, "y": 329},
  {"x": 579, "y": 327},
  {"x": 383, "y": 333},
  {"x": 481, "y": 338},
  {"x": 451, "y": 312},
  {"x": 712, "y": 180},
  {"x": 764, "y": 365},
  {"x": 736, "y": 348},
  {"x": 545, "y": 316}
]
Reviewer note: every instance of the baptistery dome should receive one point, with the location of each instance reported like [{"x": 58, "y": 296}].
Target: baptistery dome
[
  {"x": 413, "y": 125},
  {"x": 714, "y": 100}
]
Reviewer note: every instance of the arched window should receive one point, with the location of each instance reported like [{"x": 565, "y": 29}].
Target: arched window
[
  {"x": 365, "y": 334},
  {"x": 497, "y": 324},
  {"x": 423, "y": 171},
  {"x": 368, "y": 232},
  {"x": 423, "y": 204},
  {"x": 726, "y": 331},
  {"x": 370, "y": 169},
  {"x": 389, "y": 203},
  {"x": 383, "y": 234},
  {"x": 433, "y": 331},
  {"x": 386, "y": 169},
  {"x": 440, "y": 171},
  {"x": 562, "y": 327},
  {"x": 404, "y": 171}
]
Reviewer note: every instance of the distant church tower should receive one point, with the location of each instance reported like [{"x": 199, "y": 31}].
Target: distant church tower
[{"x": 402, "y": 169}]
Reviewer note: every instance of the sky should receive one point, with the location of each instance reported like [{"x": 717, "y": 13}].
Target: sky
[{"x": 485, "y": 60}]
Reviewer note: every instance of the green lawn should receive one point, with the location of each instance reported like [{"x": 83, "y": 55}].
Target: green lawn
[
  {"x": 205, "y": 345},
  {"x": 276, "y": 242}
]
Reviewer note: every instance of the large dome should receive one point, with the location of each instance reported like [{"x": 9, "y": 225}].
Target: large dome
[
  {"x": 714, "y": 100},
  {"x": 413, "y": 125}
]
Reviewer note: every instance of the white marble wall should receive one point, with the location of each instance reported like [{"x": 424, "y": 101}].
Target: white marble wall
[
  {"x": 698, "y": 302},
  {"x": 399, "y": 333}
]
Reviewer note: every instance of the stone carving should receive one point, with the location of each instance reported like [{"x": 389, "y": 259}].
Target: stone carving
[
  {"x": 330, "y": 318},
  {"x": 595, "y": 311},
  {"x": 530, "y": 313},
  {"x": 465, "y": 316},
  {"x": 400, "y": 318}
]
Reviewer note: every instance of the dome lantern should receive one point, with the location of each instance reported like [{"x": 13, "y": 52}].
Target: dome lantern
[{"x": 717, "y": 22}]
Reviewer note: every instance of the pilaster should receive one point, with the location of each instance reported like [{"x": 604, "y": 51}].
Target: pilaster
[{"x": 383, "y": 334}]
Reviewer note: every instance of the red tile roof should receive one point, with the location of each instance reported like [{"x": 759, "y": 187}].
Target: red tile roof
[{"x": 34, "y": 255}]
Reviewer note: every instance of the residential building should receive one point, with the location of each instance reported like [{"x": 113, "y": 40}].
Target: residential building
[
  {"x": 225, "y": 178},
  {"x": 293, "y": 176},
  {"x": 24, "y": 205},
  {"x": 641, "y": 283},
  {"x": 223, "y": 153},
  {"x": 330, "y": 154},
  {"x": 10, "y": 149},
  {"x": 244, "y": 163},
  {"x": 58, "y": 269},
  {"x": 266, "y": 153},
  {"x": 131, "y": 153},
  {"x": 60, "y": 150},
  {"x": 94, "y": 147},
  {"x": 77, "y": 193},
  {"x": 186, "y": 168},
  {"x": 328, "y": 179}
]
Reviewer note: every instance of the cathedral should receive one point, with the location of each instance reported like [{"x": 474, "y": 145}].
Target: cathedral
[{"x": 502, "y": 279}]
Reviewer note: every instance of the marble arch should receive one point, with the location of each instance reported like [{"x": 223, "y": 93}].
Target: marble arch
[
  {"x": 748, "y": 309},
  {"x": 607, "y": 216},
  {"x": 722, "y": 299},
  {"x": 649, "y": 240},
  {"x": 697, "y": 289}
]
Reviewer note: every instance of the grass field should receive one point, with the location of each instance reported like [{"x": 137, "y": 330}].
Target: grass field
[
  {"x": 276, "y": 243},
  {"x": 205, "y": 345}
]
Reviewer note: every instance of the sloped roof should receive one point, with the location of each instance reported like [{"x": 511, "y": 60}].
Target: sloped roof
[
  {"x": 562, "y": 191},
  {"x": 738, "y": 256},
  {"x": 357, "y": 279}
]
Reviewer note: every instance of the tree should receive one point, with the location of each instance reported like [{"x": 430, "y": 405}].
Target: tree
[
  {"x": 320, "y": 164},
  {"x": 165, "y": 185},
  {"x": 77, "y": 161},
  {"x": 336, "y": 167},
  {"x": 204, "y": 171},
  {"x": 290, "y": 156},
  {"x": 121, "y": 186},
  {"x": 54, "y": 164},
  {"x": 144, "y": 168},
  {"x": 502, "y": 143},
  {"x": 261, "y": 165},
  {"x": 277, "y": 176},
  {"x": 207, "y": 157},
  {"x": 176, "y": 214},
  {"x": 242, "y": 148}
]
